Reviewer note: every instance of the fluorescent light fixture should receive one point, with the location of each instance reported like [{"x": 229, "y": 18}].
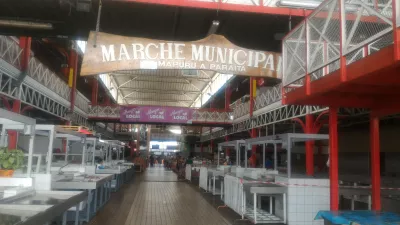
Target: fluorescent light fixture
[
  {"x": 135, "y": 140},
  {"x": 101, "y": 141},
  {"x": 82, "y": 45},
  {"x": 26, "y": 24},
  {"x": 300, "y": 4},
  {"x": 214, "y": 27},
  {"x": 176, "y": 131}
]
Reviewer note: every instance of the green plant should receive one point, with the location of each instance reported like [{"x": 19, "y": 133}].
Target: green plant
[{"x": 11, "y": 159}]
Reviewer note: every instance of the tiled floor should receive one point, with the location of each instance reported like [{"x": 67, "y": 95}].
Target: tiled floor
[
  {"x": 156, "y": 198},
  {"x": 159, "y": 174},
  {"x": 170, "y": 203}
]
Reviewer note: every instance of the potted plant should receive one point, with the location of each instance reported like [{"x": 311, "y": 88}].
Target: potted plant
[{"x": 10, "y": 160}]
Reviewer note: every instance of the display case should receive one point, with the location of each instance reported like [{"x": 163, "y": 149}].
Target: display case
[{"x": 12, "y": 122}]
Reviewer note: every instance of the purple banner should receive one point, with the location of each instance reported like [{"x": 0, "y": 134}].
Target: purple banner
[{"x": 156, "y": 114}]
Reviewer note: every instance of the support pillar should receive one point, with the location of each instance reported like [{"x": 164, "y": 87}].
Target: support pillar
[
  {"x": 309, "y": 146},
  {"x": 95, "y": 90},
  {"x": 73, "y": 70},
  {"x": 333, "y": 159},
  {"x": 375, "y": 163},
  {"x": 228, "y": 93},
  {"x": 12, "y": 134},
  {"x": 253, "y": 132},
  {"x": 25, "y": 44}
]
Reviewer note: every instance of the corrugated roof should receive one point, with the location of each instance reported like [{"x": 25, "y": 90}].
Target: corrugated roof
[{"x": 161, "y": 87}]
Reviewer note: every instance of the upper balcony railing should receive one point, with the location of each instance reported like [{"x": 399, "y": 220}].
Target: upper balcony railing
[
  {"x": 11, "y": 52},
  {"x": 272, "y": 95},
  {"x": 336, "y": 34}
]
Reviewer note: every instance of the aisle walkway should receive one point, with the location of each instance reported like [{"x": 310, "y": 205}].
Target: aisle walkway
[
  {"x": 158, "y": 198},
  {"x": 161, "y": 200}
]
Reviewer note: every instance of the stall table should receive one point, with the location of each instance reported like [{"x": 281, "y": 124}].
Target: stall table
[
  {"x": 41, "y": 207},
  {"x": 93, "y": 185}
]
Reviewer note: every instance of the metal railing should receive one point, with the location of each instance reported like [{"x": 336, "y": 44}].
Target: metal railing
[
  {"x": 336, "y": 34},
  {"x": 11, "y": 52},
  {"x": 272, "y": 95}
]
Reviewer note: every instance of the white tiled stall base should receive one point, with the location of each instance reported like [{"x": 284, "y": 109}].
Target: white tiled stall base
[{"x": 304, "y": 202}]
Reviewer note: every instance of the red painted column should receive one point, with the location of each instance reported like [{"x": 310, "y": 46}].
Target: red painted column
[
  {"x": 309, "y": 146},
  {"x": 333, "y": 159},
  {"x": 375, "y": 163},
  {"x": 12, "y": 134},
  {"x": 25, "y": 44},
  {"x": 95, "y": 90}
]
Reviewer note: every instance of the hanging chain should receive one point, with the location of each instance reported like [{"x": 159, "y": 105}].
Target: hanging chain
[{"x": 97, "y": 23}]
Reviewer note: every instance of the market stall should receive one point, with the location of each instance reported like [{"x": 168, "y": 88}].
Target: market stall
[
  {"x": 246, "y": 188},
  {"x": 116, "y": 169},
  {"x": 211, "y": 178},
  {"x": 25, "y": 193}
]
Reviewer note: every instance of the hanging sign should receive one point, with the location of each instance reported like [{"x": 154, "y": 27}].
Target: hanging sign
[
  {"x": 156, "y": 114},
  {"x": 115, "y": 53}
]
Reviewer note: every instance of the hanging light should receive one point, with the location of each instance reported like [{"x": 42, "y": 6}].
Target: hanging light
[
  {"x": 213, "y": 28},
  {"x": 176, "y": 131}
]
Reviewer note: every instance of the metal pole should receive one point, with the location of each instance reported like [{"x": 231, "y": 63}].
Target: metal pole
[
  {"x": 273, "y": 129},
  {"x": 218, "y": 156},
  {"x": 289, "y": 157},
  {"x": 237, "y": 153},
  {"x": 50, "y": 151},
  {"x": 84, "y": 153},
  {"x": 275, "y": 158},
  {"x": 245, "y": 158},
  {"x": 31, "y": 145},
  {"x": 264, "y": 155},
  {"x": 66, "y": 151},
  {"x": 94, "y": 150}
]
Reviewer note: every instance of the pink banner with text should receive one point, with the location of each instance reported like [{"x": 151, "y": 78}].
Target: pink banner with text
[{"x": 156, "y": 114}]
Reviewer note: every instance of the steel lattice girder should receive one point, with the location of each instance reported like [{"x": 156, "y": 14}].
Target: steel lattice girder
[
  {"x": 283, "y": 113},
  {"x": 42, "y": 88}
]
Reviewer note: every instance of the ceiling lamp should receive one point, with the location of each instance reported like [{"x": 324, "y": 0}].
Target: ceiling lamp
[
  {"x": 307, "y": 4},
  {"x": 26, "y": 24},
  {"x": 176, "y": 131},
  {"x": 213, "y": 28}
]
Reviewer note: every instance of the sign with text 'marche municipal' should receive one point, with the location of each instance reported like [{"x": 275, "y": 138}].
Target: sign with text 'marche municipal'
[{"x": 115, "y": 53}]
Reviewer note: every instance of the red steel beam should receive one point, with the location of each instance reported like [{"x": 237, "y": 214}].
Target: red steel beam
[
  {"x": 226, "y": 6},
  {"x": 375, "y": 163},
  {"x": 333, "y": 159}
]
